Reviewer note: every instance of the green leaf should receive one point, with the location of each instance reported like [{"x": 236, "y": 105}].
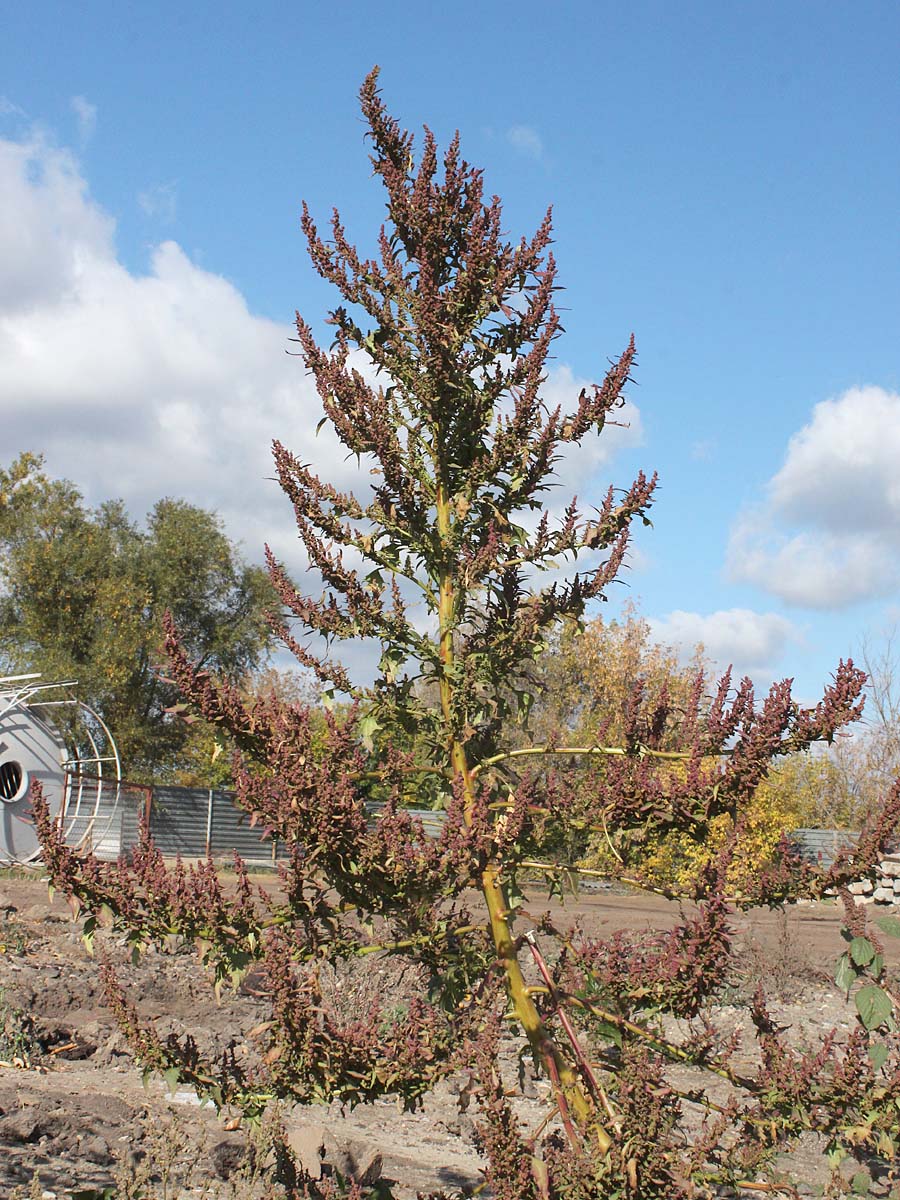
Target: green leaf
[
  {"x": 886, "y": 1146},
  {"x": 845, "y": 975},
  {"x": 367, "y": 727},
  {"x": 392, "y": 660},
  {"x": 611, "y": 1032},
  {"x": 878, "y": 1054},
  {"x": 873, "y": 1005},
  {"x": 515, "y": 897},
  {"x": 835, "y": 1156},
  {"x": 524, "y": 701},
  {"x": 172, "y": 1078},
  {"x": 87, "y": 935},
  {"x": 859, "y": 1184},
  {"x": 541, "y": 1176},
  {"x": 862, "y": 951}
]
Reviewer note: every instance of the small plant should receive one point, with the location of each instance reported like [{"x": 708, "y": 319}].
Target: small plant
[
  {"x": 19, "y": 1043},
  {"x": 14, "y": 938},
  {"x": 35, "y": 1191},
  {"x": 782, "y": 966},
  {"x": 450, "y": 566}
]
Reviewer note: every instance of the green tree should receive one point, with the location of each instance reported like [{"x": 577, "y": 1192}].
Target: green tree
[
  {"x": 457, "y": 324},
  {"x": 84, "y": 591}
]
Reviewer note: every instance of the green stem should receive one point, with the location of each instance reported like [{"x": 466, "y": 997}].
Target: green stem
[
  {"x": 631, "y": 880},
  {"x": 409, "y": 943}
]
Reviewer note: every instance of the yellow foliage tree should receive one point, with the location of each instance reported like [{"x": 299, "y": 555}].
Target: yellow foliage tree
[
  {"x": 678, "y": 861},
  {"x": 585, "y": 687},
  {"x": 586, "y": 677}
]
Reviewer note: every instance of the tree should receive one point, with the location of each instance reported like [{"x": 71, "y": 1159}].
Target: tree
[
  {"x": 838, "y": 786},
  {"x": 586, "y": 684},
  {"x": 457, "y": 325},
  {"x": 84, "y": 591},
  {"x": 585, "y": 678},
  {"x": 859, "y": 768}
]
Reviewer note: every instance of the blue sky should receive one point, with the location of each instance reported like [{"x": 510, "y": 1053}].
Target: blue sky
[{"x": 725, "y": 182}]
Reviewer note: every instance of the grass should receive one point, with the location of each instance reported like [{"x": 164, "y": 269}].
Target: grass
[{"x": 21, "y": 872}]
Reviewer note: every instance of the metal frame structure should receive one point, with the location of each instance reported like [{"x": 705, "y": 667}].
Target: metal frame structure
[{"x": 87, "y": 786}]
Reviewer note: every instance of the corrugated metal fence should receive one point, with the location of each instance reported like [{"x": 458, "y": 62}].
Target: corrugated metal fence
[
  {"x": 196, "y": 822},
  {"x": 822, "y": 845}
]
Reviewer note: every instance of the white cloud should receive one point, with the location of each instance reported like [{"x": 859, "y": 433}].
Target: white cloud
[
  {"x": 160, "y": 202},
  {"x": 139, "y": 385},
  {"x": 49, "y": 230},
  {"x": 164, "y": 383},
  {"x": 753, "y": 643},
  {"x": 579, "y": 464},
  {"x": 526, "y": 139},
  {"x": 86, "y": 116},
  {"x": 810, "y": 569},
  {"x": 828, "y": 534},
  {"x": 8, "y": 109},
  {"x": 841, "y": 470}
]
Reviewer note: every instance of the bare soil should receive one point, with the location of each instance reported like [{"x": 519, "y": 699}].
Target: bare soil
[{"x": 75, "y": 1110}]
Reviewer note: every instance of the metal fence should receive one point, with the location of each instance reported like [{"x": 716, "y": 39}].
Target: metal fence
[
  {"x": 822, "y": 845},
  {"x": 195, "y": 823},
  {"x": 102, "y": 814},
  {"x": 200, "y": 822},
  {"x": 192, "y": 822}
]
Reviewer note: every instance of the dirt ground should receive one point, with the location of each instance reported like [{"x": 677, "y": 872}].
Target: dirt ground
[{"x": 75, "y": 1110}]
